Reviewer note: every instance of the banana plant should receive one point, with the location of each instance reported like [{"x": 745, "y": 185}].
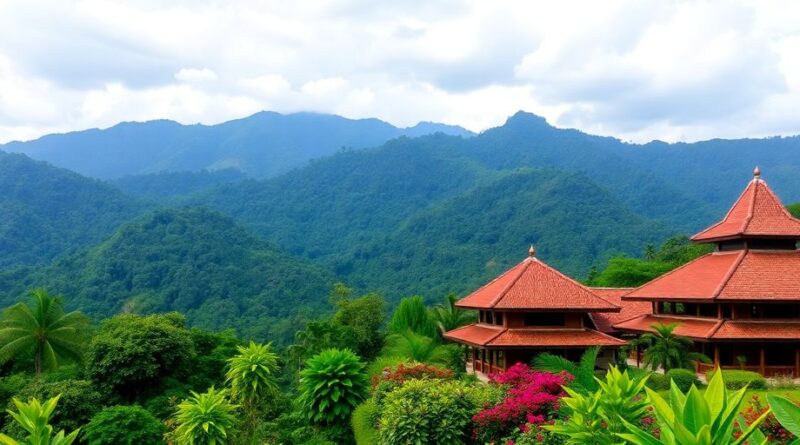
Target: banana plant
[
  {"x": 787, "y": 413},
  {"x": 34, "y": 417},
  {"x": 696, "y": 419}
]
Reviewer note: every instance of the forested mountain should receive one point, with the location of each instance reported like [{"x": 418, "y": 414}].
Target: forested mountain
[
  {"x": 47, "y": 211},
  {"x": 192, "y": 260},
  {"x": 261, "y": 145},
  {"x": 167, "y": 186}
]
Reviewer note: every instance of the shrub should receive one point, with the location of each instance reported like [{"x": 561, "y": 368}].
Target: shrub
[
  {"x": 532, "y": 397},
  {"x": 658, "y": 382},
  {"x": 394, "y": 378},
  {"x": 426, "y": 411},
  {"x": 735, "y": 379},
  {"x": 124, "y": 425},
  {"x": 363, "y": 424},
  {"x": 78, "y": 402},
  {"x": 683, "y": 378},
  {"x": 204, "y": 419},
  {"x": 382, "y": 363},
  {"x": 332, "y": 385},
  {"x": 34, "y": 419}
]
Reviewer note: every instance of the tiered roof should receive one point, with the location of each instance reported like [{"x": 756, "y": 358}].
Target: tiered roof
[
  {"x": 721, "y": 330},
  {"x": 757, "y": 213},
  {"x": 740, "y": 275},
  {"x": 605, "y": 321},
  {"x": 532, "y": 285},
  {"x": 498, "y": 336}
]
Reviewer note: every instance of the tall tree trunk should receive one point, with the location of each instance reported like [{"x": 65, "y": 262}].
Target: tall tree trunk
[{"x": 38, "y": 360}]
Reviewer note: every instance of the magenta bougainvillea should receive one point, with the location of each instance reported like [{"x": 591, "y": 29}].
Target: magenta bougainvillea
[{"x": 531, "y": 399}]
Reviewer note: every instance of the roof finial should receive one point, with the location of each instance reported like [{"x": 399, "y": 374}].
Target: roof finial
[
  {"x": 757, "y": 173},
  {"x": 531, "y": 251}
]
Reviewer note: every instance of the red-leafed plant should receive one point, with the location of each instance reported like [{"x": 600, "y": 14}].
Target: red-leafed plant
[
  {"x": 531, "y": 399},
  {"x": 775, "y": 433}
]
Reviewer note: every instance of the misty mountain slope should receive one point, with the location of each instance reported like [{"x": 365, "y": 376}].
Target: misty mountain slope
[
  {"x": 192, "y": 260},
  {"x": 48, "y": 211},
  {"x": 260, "y": 145}
]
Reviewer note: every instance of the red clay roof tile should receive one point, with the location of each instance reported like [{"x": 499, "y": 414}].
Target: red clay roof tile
[
  {"x": 605, "y": 321},
  {"x": 474, "y": 334},
  {"x": 757, "y": 212},
  {"x": 759, "y": 330},
  {"x": 688, "y": 327},
  {"x": 533, "y": 285},
  {"x": 554, "y": 338}
]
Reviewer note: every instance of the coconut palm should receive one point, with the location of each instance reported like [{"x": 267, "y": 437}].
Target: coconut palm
[
  {"x": 43, "y": 329},
  {"x": 667, "y": 350},
  {"x": 417, "y": 348},
  {"x": 448, "y": 317}
]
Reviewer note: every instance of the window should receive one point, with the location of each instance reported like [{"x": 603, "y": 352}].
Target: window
[
  {"x": 544, "y": 319},
  {"x": 498, "y": 318}
]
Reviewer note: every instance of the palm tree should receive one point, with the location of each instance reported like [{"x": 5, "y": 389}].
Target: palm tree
[
  {"x": 667, "y": 350},
  {"x": 416, "y": 347},
  {"x": 52, "y": 335},
  {"x": 448, "y": 317},
  {"x": 583, "y": 371}
]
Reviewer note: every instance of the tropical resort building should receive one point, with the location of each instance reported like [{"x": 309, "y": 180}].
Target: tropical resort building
[
  {"x": 529, "y": 309},
  {"x": 740, "y": 303}
]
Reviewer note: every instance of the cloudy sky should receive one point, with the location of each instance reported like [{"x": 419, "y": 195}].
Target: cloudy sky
[{"x": 637, "y": 70}]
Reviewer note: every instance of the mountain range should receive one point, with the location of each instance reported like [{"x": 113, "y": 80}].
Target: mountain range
[{"x": 414, "y": 214}]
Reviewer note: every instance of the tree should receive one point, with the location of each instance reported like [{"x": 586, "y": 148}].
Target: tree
[
  {"x": 412, "y": 315},
  {"x": 131, "y": 354},
  {"x": 34, "y": 418},
  {"x": 448, "y": 317},
  {"x": 583, "y": 371},
  {"x": 332, "y": 384},
  {"x": 251, "y": 375},
  {"x": 362, "y": 319},
  {"x": 45, "y": 330},
  {"x": 124, "y": 425},
  {"x": 78, "y": 401},
  {"x": 664, "y": 349},
  {"x": 205, "y": 419}
]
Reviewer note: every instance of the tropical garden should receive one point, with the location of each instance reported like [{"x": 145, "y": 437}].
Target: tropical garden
[{"x": 356, "y": 376}]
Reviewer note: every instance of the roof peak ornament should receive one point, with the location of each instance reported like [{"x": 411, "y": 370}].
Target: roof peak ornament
[
  {"x": 756, "y": 173},
  {"x": 531, "y": 251}
]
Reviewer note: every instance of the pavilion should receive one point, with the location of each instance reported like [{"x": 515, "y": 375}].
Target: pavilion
[{"x": 740, "y": 303}]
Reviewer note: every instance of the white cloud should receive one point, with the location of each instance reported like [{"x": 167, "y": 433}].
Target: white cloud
[{"x": 637, "y": 70}]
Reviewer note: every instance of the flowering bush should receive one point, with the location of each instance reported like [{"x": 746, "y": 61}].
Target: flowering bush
[
  {"x": 531, "y": 399},
  {"x": 772, "y": 429}
]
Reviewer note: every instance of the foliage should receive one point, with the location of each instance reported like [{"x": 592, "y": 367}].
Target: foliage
[
  {"x": 332, "y": 384},
  {"x": 666, "y": 350},
  {"x": 124, "y": 425},
  {"x": 393, "y": 378},
  {"x": 411, "y": 315},
  {"x": 582, "y": 372},
  {"x": 658, "y": 382},
  {"x": 694, "y": 418},
  {"x": 363, "y": 428},
  {"x": 431, "y": 411},
  {"x": 787, "y": 414},
  {"x": 771, "y": 428},
  {"x": 538, "y": 435},
  {"x": 417, "y": 348},
  {"x": 736, "y": 379},
  {"x": 205, "y": 419},
  {"x": 683, "y": 378},
  {"x": 251, "y": 376},
  {"x": 447, "y": 316},
  {"x": 132, "y": 354},
  {"x": 78, "y": 401},
  {"x": 362, "y": 320},
  {"x": 596, "y": 418},
  {"x": 532, "y": 397},
  {"x": 52, "y": 335},
  {"x": 34, "y": 417}
]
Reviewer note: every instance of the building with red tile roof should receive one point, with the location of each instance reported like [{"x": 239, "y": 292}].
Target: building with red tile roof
[
  {"x": 740, "y": 303},
  {"x": 533, "y": 308}
]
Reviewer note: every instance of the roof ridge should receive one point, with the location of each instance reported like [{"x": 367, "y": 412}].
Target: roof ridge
[
  {"x": 508, "y": 286},
  {"x": 727, "y": 214},
  {"x": 716, "y": 328},
  {"x": 729, "y": 274},
  {"x": 751, "y": 207},
  {"x": 682, "y": 266}
]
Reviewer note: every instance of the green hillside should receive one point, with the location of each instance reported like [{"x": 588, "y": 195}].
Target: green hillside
[
  {"x": 192, "y": 260},
  {"x": 48, "y": 211}
]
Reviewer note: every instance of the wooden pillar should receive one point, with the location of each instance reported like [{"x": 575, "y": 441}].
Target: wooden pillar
[
  {"x": 716, "y": 357},
  {"x": 797, "y": 362},
  {"x": 762, "y": 361}
]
